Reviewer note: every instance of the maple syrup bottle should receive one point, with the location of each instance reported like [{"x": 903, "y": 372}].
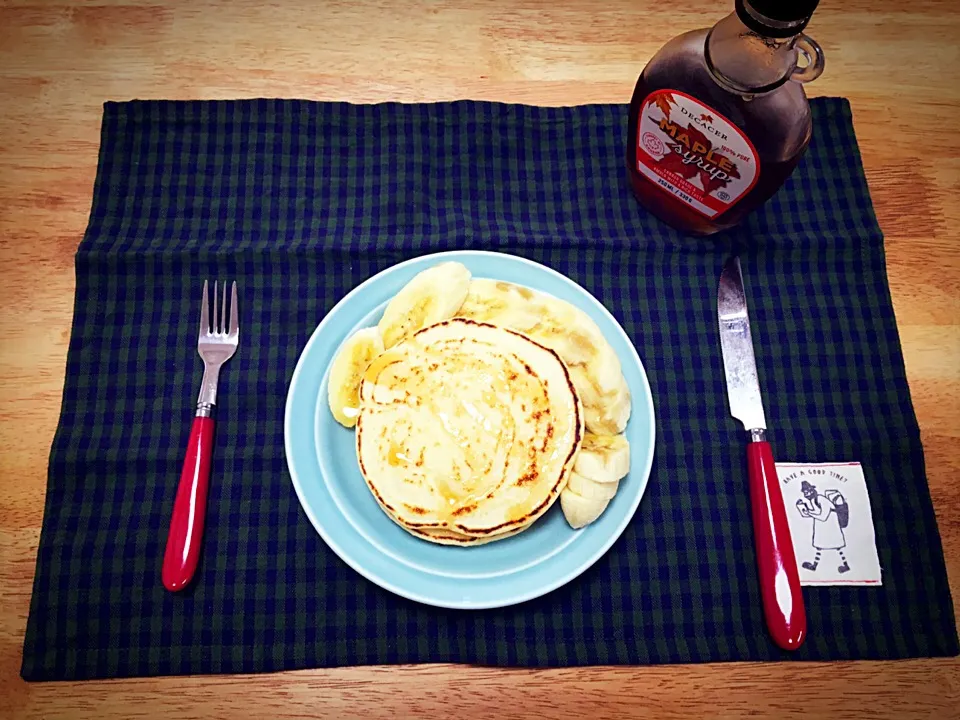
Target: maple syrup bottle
[{"x": 719, "y": 118}]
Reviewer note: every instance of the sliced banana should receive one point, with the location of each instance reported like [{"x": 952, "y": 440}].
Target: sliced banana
[
  {"x": 609, "y": 417},
  {"x": 603, "y": 458},
  {"x": 565, "y": 330},
  {"x": 591, "y": 489},
  {"x": 500, "y": 303},
  {"x": 578, "y": 341},
  {"x": 346, "y": 373},
  {"x": 580, "y": 511},
  {"x": 610, "y": 408},
  {"x": 433, "y": 295},
  {"x": 605, "y": 371}
]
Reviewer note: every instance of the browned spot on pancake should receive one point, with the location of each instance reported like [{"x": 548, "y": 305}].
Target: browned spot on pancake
[
  {"x": 434, "y": 366},
  {"x": 421, "y": 533},
  {"x": 363, "y": 470},
  {"x": 465, "y": 509},
  {"x": 530, "y": 476},
  {"x": 419, "y": 462},
  {"x": 379, "y": 497},
  {"x": 415, "y": 509},
  {"x": 529, "y": 370},
  {"x": 525, "y": 292},
  {"x": 519, "y": 521},
  {"x": 547, "y": 437},
  {"x": 424, "y": 525},
  {"x": 512, "y": 376}
]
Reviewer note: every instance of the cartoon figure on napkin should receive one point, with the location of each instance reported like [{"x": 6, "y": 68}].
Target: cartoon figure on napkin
[{"x": 830, "y": 515}]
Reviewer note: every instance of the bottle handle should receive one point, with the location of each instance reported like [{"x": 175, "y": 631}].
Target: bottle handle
[{"x": 808, "y": 48}]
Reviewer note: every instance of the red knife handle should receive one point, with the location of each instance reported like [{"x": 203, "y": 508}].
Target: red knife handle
[
  {"x": 186, "y": 526},
  {"x": 779, "y": 577}
]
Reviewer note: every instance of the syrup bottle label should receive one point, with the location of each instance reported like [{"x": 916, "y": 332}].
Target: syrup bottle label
[{"x": 693, "y": 152}]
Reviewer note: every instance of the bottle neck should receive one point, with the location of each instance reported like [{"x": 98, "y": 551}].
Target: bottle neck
[{"x": 748, "y": 59}]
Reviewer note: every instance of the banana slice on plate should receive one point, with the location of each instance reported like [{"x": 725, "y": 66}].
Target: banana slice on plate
[
  {"x": 580, "y": 511},
  {"x": 578, "y": 341},
  {"x": 432, "y": 296},
  {"x": 591, "y": 489},
  {"x": 566, "y": 330},
  {"x": 603, "y": 458},
  {"x": 555, "y": 323},
  {"x": 610, "y": 416},
  {"x": 346, "y": 373},
  {"x": 605, "y": 414},
  {"x": 602, "y": 462},
  {"x": 500, "y": 303}
]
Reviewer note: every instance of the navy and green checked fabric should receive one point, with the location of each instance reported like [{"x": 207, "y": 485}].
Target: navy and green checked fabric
[{"x": 300, "y": 202}]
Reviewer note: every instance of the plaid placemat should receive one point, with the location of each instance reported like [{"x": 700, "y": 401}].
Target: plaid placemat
[{"x": 301, "y": 201}]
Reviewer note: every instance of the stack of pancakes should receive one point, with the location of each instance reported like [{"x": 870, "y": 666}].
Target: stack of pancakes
[
  {"x": 467, "y": 431},
  {"x": 472, "y": 400}
]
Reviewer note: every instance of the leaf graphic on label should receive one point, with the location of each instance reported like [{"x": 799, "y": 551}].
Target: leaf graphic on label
[
  {"x": 673, "y": 162},
  {"x": 711, "y": 183},
  {"x": 695, "y": 140},
  {"x": 663, "y": 101}
]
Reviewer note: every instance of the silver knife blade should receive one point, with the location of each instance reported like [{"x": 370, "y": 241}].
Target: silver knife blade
[{"x": 739, "y": 364}]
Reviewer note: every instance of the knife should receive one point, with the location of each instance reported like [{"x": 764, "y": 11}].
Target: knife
[{"x": 776, "y": 562}]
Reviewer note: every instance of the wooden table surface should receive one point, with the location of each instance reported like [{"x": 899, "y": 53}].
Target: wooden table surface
[{"x": 897, "y": 62}]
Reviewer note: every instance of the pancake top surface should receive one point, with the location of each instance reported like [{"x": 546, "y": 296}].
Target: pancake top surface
[{"x": 468, "y": 426}]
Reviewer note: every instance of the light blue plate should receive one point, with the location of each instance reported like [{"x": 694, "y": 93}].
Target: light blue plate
[{"x": 331, "y": 489}]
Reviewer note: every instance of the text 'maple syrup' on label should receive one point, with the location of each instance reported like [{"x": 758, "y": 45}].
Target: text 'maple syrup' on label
[{"x": 694, "y": 153}]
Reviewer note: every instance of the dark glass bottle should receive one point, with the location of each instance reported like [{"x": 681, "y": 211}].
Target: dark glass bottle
[{"x": 719, "y": 118}]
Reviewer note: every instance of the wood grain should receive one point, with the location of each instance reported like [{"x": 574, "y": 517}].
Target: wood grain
[{"x": 899, "y": 63}]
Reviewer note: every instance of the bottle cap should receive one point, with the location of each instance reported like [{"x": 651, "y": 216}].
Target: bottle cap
[{"x": 776, "y": 18}]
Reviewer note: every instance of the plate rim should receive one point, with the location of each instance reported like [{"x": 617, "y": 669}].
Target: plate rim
[{"x": 562, "y": 578}]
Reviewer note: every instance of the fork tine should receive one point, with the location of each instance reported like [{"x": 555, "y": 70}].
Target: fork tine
[
  {"x": 204, "y": 312},
  {"x": 216, "y": 312},
  {"x": 234, "y": 313},
  {"x": 223, "y": 312}
]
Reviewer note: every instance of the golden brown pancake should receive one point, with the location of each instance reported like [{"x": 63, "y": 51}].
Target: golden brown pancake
[{"x": 467, "y": 429}]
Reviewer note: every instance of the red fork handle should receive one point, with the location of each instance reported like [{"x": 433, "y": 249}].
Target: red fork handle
[
  {"x": 186, "y": 525},
  {"x": 776, "y": 562}
]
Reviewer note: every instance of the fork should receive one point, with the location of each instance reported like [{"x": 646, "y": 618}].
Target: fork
[{"x": 217, "y": 342}]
